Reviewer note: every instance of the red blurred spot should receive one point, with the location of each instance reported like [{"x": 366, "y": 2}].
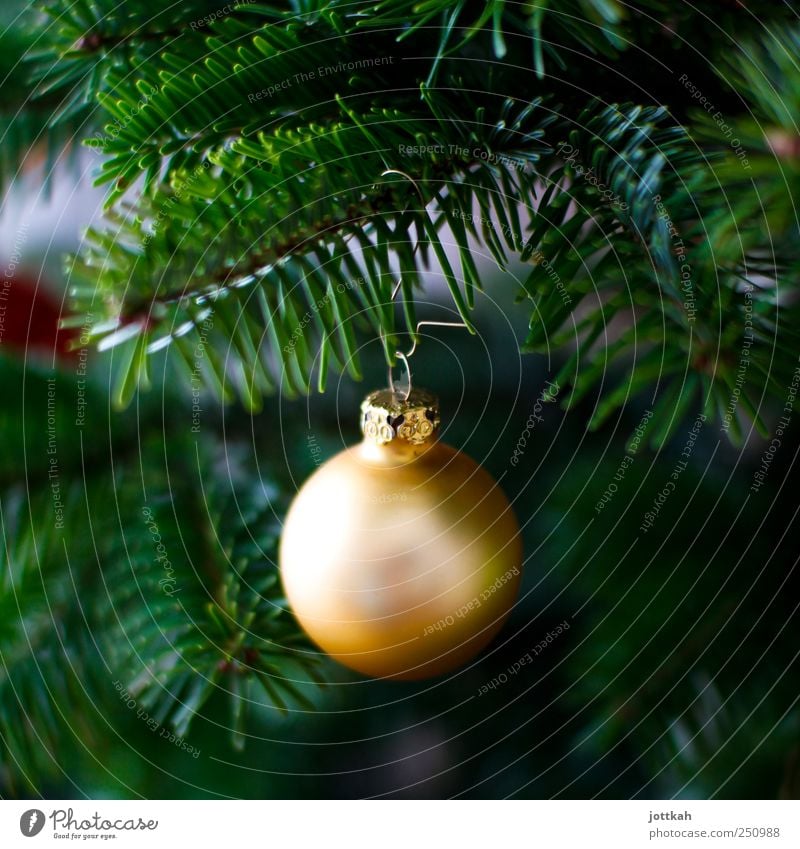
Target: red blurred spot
[{"x": 29, "y": 317}]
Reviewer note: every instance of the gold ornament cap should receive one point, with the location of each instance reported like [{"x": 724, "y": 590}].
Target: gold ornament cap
[{"x": 387, "y": 416}]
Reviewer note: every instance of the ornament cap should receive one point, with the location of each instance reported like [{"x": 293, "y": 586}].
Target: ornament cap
[{"x": 387, "y": 416}]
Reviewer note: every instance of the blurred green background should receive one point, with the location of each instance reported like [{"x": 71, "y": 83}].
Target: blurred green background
[{"x": 676, "y": 677}]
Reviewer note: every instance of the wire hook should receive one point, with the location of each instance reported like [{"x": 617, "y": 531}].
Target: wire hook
[
  {"x": 410, "y": 180},
  {"x": 408, "y": 354}
]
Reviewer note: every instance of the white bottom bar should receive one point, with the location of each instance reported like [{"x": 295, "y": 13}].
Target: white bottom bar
[{"x": 402, "y": 824}]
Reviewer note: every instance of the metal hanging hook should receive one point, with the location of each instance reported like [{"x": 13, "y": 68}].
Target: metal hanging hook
[
  {"x": 410, "y": 180},
  {"x": 408, "y": 354},
  {"x": 405, "y": 356}
]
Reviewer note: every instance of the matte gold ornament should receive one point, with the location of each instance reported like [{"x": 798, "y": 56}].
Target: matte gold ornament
[{"x": 401, "y": 556}]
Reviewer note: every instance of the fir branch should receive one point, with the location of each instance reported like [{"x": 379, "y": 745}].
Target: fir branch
[{"x": 348, "y": 273}]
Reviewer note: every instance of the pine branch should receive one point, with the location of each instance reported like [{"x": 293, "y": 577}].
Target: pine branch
[
  {"x": 659, "y": 255},
  {"x": 28, "y": 134},
  {"x": 165, "y": 583},
  {"x": 212, "y": 151},
  {"x": 197, "y": 584},
  {"x": 47, "y": 663},
  {"x": 173, "y": 623},
  {"x": 320, "y": 267}
]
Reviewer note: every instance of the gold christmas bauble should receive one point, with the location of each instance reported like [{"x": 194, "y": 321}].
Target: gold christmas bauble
[{"x": 401, "y": 556}]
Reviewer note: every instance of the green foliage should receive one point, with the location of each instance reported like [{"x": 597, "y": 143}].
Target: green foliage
[
  {"x": 176, "y": 577},
  {"x": 27, "y": 124},
  {"x": 310, "y": 275},
  {"x": 670, "y": 659},
  {"x": 195, "y": 607},
  {"x": 249, "y": 196},
  {"x": 272, "y": 171}
]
